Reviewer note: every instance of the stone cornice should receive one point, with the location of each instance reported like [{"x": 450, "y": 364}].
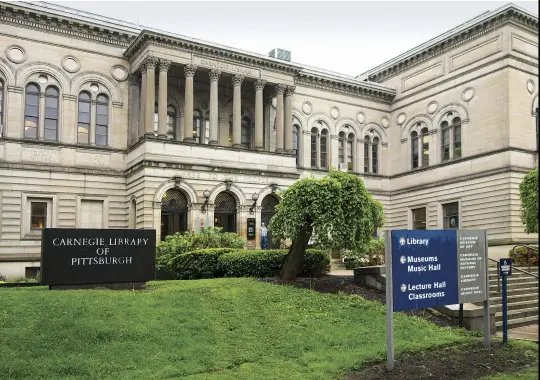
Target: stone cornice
[
  {"x": 12, "y": 13},
  {"x": 147, "y": 37},
  {"x": 346, "y": 87},
  {"x": 496, "y": 20}
]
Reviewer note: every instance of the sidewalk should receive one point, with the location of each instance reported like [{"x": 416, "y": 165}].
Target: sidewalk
[{"x": 525, "y": 333}]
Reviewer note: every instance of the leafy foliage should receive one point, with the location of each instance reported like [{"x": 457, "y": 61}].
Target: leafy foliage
[
  {"x": 180, "y": 243},
  {"x": 3, "y": 278},
  {"x": 370, "y": 255},
  {"x": 268, "y": 263},
  {"x": 203, "y": 263},
  {"x": 528, "y": 192},
  {"x": 338, "y": 207},
  {"x": 520, "y": 256}
]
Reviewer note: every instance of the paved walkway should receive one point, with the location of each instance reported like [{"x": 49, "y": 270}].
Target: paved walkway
[
  {"x": 341, "y": 272},
  {"x": 525, "y": 332}
]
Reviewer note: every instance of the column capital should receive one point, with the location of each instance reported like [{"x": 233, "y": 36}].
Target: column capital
[
  {"x": 164, "y": 64},
  {"x": 214, "y": 75},
  {"x": 289, "y": 91},
  {"x": 237, "y": 80},
  {"x": 189, "y": 70},
  {"x": 259, "y": 84},
  {"x": 150, "y": 62},
  {"x": 280, "y": 89},
  {"x": 134, "y": 79}
]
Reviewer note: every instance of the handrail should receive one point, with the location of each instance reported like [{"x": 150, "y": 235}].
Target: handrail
[
  {"x": 529, "y": 248},
  {"x": 513, "y": 267}
]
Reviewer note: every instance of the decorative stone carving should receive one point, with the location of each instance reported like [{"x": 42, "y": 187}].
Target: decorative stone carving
[
  {"x": 280, "y": 89},
  {"x": 361, "y": 117},
  {"x": 214, "y": 75},
  {"x": 16, "y": 53},
  {"x": 120, "y": 73},
  {"x": 164, "y": 64},
  {"x": 401, "y": 118},
  {"x": 151, "y": 62},
  {"x": 289, "y": 91},
  {"x": 228, "y": 184},
  {"x": 307, "y": 108},
  {"x": 189, "y": 70},
  {"x": 94, "y": 87},
  {"x": 259, "y": 84},
  {"x": 530, "y": 86},
  {"x": 432, "y": 107},
  {"x": 334, "y": 112},
  {"x": 467, "y": 94},
  {"x": 134, "y": 79},
  {"x": 43, "y": 79},
  {"x": 385, "y": 122},
  {"x": 71, "y": 64},
  {"x": 237, "y": 80}
]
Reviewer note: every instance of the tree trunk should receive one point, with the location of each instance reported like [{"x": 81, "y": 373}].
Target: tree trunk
[{"x": 295, "y": 258}]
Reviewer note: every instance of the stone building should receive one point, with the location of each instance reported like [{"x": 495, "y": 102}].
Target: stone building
[{"x": 104, "y": 124}]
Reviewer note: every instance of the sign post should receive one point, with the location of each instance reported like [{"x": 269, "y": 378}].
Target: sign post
[
  {"x": 505, "y": 271},
  {"x": 429, "y": 268}
]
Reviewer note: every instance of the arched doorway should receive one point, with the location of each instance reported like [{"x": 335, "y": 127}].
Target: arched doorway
[
  {"x": 225, "y": 212},
  {"x": 174, "y": 209},
  {"x": 268, "y": 209}
]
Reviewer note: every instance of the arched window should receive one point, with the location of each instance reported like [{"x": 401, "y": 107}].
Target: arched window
[
  {"x": 102, "y": 120},
  {"x": 451, "y": 136},
  {"x": 314, "y": 133},
  {"x": 51, "y": 113},
  {"x": 414, "y": 150},
  {"x": 31, "y": 111},
  {"x": 171, "y": 123},
  {"x": 341, "y": 147},
  {"x": 197, "y": 125},
  {"x": 456, "y": 125},
  {"x": 425, "y": 147},
  {"x": 1, "y": 108},
  {"x": 245, "y": 132},
  {"x": 366, "y": 154},
  {"x": 350, "y": 152},
  {"x": 324, "y": 149},
  {"x": 445, "y": 140},
  {"x": 83, "y": 126},
  {"x": 296, "y": 132},
  {"x": 375, "y": 155}
]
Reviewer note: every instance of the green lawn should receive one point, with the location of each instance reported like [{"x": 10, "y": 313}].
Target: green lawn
[{"x": 207, "y": 329}]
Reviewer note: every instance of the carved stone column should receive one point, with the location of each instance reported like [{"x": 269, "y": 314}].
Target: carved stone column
[
  {"x": 214, "y": 78},
  {"x": 288, "y": 118},
  {"x": 164, "y": 65},
  {"x": 237, "y": 111},
  {"x": 142, "y": 100},
  {"x": 259, "y": 86},
  {"x": 134, "y": 107},
  {"x": 151, "y": 63},
  {"x": 189, "y": 72},
  {"x": 280, "y": 89}
]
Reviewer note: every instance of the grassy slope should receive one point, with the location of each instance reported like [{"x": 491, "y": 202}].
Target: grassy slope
[{"x": 223, "y": 328}]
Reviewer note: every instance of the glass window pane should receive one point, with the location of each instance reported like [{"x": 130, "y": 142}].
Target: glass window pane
[
  {"x": 84, "y": 96},
  {"x": 102, "y": 98},
  {"x": 101, "y": 109},
  {"x": 101, "y": 120},
  {"x": 50, "y": 123},
  {"x": 31, "y": 111},
  {"x": 52, "y": 91},
  {"x": 32, "y": 88},
  {"x": 82, "y": 137},
  {"x": 29, "y": 131},
  {"x": 101, "y": 140},
  {"x": 84, "y": 117},
  {"x": 51, "y": 102},
  {"x": 419, "y": 219},
  {"x": 50, "y": 134},
  {"x": 84, "y": 107},
  {"x": 51, "y": 113},
  {"x": 101, "y": 130},
  {"x": 32, "y": 100}
]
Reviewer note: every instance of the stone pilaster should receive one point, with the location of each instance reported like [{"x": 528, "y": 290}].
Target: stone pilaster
[
  {"x": 259, "y": 86},
  {"x": 280, "y": 89},
  {"x": 288, "y": 118},
  {"x": 237, "y": 110},
  {"x": 189, "y": 72},
  {"x": 214, "y": 79}
]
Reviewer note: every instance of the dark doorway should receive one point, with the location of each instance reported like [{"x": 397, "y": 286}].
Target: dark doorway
[
  {"x": 173, "y": 213},
  {"x": 225, "y": 212},
  {"x": 268, "y": 209}
]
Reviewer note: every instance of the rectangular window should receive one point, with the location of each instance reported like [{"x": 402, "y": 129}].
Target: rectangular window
[
  {"x": 38, "y": 215},
  {"x": 419, "y": 218},
  {"x": 366, "y": 157},
  {"x": 324, "y": 161},
  {"x": 425, "y": 150},
  {"x": 445, "y": 144},
  {"x": 31, "y": 272},
  {"x": 414, "y": 152},
  {"x": 457, "y": 142},
  {"x": 451, "y": 215},
  {"x": 341, "y": 153},
  {"x": 313, "y": 150},
  {"x": 91, "y": 214},
  {"x": 374, "y": 158},
  {"x": 350, "y": 154}
]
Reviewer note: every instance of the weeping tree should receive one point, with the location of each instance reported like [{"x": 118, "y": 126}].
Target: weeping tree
[
  {"x": 336, "y": 211},
  {"x": 528, "y": 192}
]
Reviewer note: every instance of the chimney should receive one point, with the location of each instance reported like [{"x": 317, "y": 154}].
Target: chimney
[{"x": 282, "y": 54}]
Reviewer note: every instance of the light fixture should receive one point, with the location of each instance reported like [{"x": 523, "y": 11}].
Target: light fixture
[
  {"x": 206, "y": 195},
  {"x": 254, "y": 197}
]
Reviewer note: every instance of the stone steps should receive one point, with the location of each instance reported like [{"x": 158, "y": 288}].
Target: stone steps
[
  {"x": 518, "y": 314},
  {"x": 519, "y": 322}
]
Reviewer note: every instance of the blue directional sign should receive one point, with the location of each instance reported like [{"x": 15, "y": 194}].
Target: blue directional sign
[
  {"x": 505, "y": 267},
  {"x": 424, "y": 269}
]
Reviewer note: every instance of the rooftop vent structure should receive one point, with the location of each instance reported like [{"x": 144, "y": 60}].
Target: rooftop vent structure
[{"x": 284, "y": 55}]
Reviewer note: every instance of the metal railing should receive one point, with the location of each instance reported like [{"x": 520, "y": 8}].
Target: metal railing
[
  {"x": 513, "y": 268},
  {"x": 529, "y": 249}
]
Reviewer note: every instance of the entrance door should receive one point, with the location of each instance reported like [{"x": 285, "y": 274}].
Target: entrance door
[
  {"x": 268, "y": 209},
  {"x": 173, "y": 213},
  {"x": 225, "y": 212}
]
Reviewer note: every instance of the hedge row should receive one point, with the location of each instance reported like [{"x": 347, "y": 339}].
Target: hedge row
[
  {"x": 520, "y": 256},
  {"x": 229, "y": 262}
]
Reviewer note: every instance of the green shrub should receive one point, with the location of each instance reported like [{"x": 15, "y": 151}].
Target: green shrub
[
  {"x": 520, "y": 257},
  {"x": 203, "y": 263},
  {"x": 3, "y": 278},
  {"x": 208, "y": 237},
  {"x": 268, "y": 263},
  {"x": 370, "y": 255}
]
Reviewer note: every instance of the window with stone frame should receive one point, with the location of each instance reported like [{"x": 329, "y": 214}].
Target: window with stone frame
[
  {"x": 425, "y": 147},
  {"x": 451, "y": 215},
  {"x": 324, "y": 149},
  {"x": 51, "y": 113},
  {"x": 366, "y": 154},
  {"x": 419, "y": 218},
  {"x": 102, "y": 120},
  {"x": 171, "y": 123},
  {"x": 1, "y": 108},
  {"x": 341, "y": 147},
  {"x": 295, "y": 147},
  {"x": 350, "y": 151},
  {"x": 38, "y": 215},
  {"x": 31, "y": 111},
  {"x": 450, "y": 136},
  {"x": 314, "y": 134},
  {"x": 83, "y": 125},
  {"x": 375, "y": 155},
  {"x": 414, "y": 150}
]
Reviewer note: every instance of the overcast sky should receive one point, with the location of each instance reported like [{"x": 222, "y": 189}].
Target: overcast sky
[{"x": 346, "y": 37}]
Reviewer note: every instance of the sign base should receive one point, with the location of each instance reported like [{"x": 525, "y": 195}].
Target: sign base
[{"x": 110, "y": 286}]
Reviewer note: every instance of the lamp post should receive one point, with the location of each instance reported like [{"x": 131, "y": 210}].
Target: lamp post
[
  {"x": 254, "y": 198},
  {"x": 206, "y": 195}
]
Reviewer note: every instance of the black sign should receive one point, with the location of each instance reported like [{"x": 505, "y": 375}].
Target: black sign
[
  {"x": 505, "y": 267},
  {"x": 71, "y": 256},
  {"x": 251, "y": 228}
]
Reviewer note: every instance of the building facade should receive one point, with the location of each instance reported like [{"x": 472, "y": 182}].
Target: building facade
[{"x": 104, "y": 124}]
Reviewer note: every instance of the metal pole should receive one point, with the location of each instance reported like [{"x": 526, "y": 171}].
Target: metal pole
[
  {"x": 389, "y": 303},
  {"x": 460, "y": 315},
  {"x": 498, "y": 278},
  {"x": 529, "y": 259},
  {"x": 505, "y": 311},
  {"x": 487, "y": 322}
]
